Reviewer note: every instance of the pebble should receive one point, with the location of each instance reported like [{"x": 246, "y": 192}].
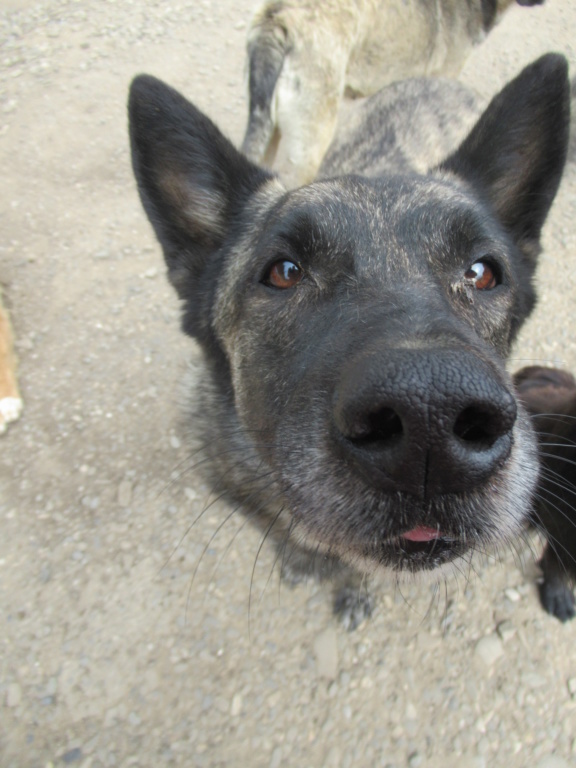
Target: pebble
[
  {"x": 125, "y": 493},
  {"x": 533, "y": 680},
  {"x": 72, "y": 756},
  {"x": 552, "y": 761},
  {"x": 276, "y": 760},
  {"x": 236, "y": 706},
  {"x": 13, "y": 695},
  {"x": 326, "y": 652},
  {"x": 512, "y": 594},
  {"x": 489, "y": 649},
  {"x": 506, "y": 630}
]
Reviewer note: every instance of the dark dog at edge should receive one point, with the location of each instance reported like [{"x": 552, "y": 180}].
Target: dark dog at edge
[
  {"x": 550, "y": 395},
  {"x": 354, "y": 397}
]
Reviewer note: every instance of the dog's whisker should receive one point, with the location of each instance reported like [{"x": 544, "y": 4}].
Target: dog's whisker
[
  {"x": 554, "y": 543},
  {"x": 248, "y": 517},
  {"x": 558, "y": 480},
  {"x": 267, "y": 532},
  {"x": 545, "y": 494}
]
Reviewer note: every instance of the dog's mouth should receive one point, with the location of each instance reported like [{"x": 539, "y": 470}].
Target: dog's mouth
[{"x": 422, "y": 548}]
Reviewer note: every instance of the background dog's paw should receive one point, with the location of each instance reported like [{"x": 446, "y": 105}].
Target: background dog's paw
[
  {"x": 353, "y": 606},
  {"x": 10, "y": 410},
  {"x": 557, "y": 599}
]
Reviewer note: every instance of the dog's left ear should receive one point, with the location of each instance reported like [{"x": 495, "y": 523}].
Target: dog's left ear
[
  {"x": 515, "y": 153},
  {"x": 192, "y": 181}
]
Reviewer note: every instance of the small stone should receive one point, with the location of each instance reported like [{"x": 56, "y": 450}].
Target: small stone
[
  {"x": 572, "y": 687},
  {"x": 533, "y": 680},
  {"x": 506, "y": 630},
  {"x": 236, "y": 706},
  {"x": 489, "y": 649},
  {"x": 72, "y": 756},
  {"x": 411, "y": 711},
  {"x": 512, "y": 594},
  {"x": 276, "y": 761},
  {"x": 326, "y": 651},
  {"x": 125, "y": 493},
  {"x": 415, "y": 760},
  {"x": 552, "y": 761},
  {"x": 13, "y": 695},
  {"x": 175, "y": 442}
]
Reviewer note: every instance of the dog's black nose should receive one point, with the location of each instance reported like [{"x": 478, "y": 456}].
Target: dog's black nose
[{"x": 423, "y": 422}]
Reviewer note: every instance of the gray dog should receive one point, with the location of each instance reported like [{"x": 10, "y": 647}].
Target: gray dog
[
  {"x": 305, "y": 54},
  {"x": 354, "y": 396}
]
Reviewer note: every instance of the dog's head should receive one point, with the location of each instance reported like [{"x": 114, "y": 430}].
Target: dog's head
[{"x": 358, "y": 328}]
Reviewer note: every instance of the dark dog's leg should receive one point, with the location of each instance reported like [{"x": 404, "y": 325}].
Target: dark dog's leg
[
  {"x": 550, "y": 396},
  {"x": 555, "y": 594}
]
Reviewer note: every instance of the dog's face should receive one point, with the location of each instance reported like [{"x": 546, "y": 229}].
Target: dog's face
[{"x": 357, "y": 329}]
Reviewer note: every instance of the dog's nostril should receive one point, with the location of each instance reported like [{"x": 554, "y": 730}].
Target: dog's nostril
[
  {"x": 479, "y": 426},
  {"x": 383, "y": 426}
]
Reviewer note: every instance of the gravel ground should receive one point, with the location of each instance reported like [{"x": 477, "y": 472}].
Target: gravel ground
[{"x": 133, "y": 636}]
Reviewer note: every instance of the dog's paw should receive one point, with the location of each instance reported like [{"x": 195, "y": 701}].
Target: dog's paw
[
  {"x": 300, "y": 565},
  {"x": 353, "y": 606},
  {"x": 557, "y": 599},
  {"x": 10, "y": 410}
]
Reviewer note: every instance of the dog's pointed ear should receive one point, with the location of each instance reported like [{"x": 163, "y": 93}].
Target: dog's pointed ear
[
  {"x": 515, "y": 153},
  {"x": 192, "y": 181}
]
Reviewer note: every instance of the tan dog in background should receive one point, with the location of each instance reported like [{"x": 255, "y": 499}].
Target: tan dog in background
[
  {"x": 10, "y": 400},
  {"x": 305, "y": 55}
]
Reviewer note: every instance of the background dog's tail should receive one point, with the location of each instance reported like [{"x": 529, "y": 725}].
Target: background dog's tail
[{"x": 268, "y": 45}]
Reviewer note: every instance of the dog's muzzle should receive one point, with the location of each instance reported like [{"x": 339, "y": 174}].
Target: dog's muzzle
[{"x": 424, "y": 423}]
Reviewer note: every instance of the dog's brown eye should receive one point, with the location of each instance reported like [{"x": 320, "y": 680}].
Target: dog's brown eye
[
  {"x": 483, "y": 276},
  {"x": 283, "y": 274}
]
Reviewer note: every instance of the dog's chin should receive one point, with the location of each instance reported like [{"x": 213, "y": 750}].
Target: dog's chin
[{"x": 416, "y": 554}]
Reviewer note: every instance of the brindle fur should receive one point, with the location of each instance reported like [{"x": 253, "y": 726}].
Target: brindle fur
[
  {"x": 296, "y": 385},
  {"x": 304, "y": 55}
]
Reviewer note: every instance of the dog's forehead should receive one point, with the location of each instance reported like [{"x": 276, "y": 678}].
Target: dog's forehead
[
  {"x": 397, "y": 209},
  {"x": 386, "y": 226}
]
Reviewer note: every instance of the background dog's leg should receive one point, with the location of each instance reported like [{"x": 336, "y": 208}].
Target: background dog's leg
[
  {"x": 10, "y": 400},
  {"x": 267, "y": 48},
  {"x": 306, "y": 128}
]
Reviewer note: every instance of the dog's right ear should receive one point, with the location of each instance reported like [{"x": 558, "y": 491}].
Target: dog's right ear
[{"x": 192, "y": 181}]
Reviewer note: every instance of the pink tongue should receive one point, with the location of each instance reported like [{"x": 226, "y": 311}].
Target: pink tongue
[{"x": 422, "y": 533}]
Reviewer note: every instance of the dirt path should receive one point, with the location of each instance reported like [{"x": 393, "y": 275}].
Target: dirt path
[{"x": 112, "y": 653}]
